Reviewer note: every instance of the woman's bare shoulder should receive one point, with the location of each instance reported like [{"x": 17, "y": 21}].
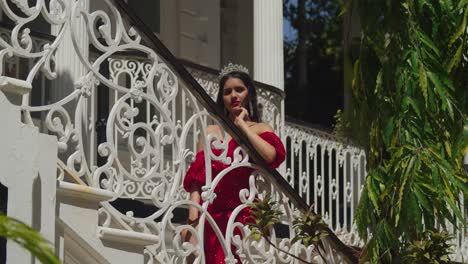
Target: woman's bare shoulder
[
  {"x": 213, "y": 129},
  {"x": 262, "y": 127},
  {"x": 257, "y": 127}
]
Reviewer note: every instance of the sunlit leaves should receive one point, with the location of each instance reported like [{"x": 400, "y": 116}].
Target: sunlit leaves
[
  {"x": 433, "y": 248},
  {"x": 27, "y": 238},
  {"x": 410, "y": 106},
  {"x": 265, "y": 215},
  {"x": 310, "y": 229}
]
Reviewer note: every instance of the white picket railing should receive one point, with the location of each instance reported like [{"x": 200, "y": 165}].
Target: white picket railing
[{"x": 329, "y": 173}]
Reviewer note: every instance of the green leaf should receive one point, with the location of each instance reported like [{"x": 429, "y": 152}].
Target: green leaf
[
  {"x": 401, "y": 190},
  {"x": 437, "y": 84},
  {"x": 371, "y": 191},
  {"x": 451, "y": 198},
  {"x": 455, "y": 210},
  {"x": 422, "y": 199},
  {"x": 461, "y": 29},
  {"x": 448, "y": 148},
  {"x": 461, "y": 183},
  {"x": 345, "y": 7},
  {"x": 455, "y": 60},
  {"x": 449, "y": 108},
  {"x": 414, "y": 105},
  {"x": 378, "y": 83},
  {"x": 423, "y": 81},
  {"x": 388, "y": 131},
  {"x": 462, "y": 4},
  {"x": 27, "y": 238},
  {"x": 428, "y": 42}
]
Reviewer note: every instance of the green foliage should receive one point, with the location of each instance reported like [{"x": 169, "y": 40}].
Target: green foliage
[
  {"x": 310, "y": 229},
  {"x": 265, "y": 215},
  {"x": 409, "y": 110},
  {"x": 28, "y": 238},
  {"x": 341, "y": 124},
  {"x": 432, "y": 249}
]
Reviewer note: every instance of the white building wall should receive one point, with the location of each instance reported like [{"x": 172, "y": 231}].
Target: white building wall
[
  {"x": 237, "y": 33},
  {"x": 28, "y": 162},
  {"x": 80, "y": 243},
  {"x": 191, "y": 30}
]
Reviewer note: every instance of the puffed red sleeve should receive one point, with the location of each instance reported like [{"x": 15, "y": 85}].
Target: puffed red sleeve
[
  {"x": 196, "y": 172},
  {"x": 275, "y": 141}
]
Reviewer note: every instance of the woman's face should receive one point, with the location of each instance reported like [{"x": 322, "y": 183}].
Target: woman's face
[{"x": 234, "y": 95}]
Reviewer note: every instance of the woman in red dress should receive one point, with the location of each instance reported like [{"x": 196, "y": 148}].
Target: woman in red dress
[{"x": 238, "y": 97}]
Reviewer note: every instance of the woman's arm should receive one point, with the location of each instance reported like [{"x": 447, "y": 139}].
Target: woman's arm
[
  {"x": 195, "y": 190},
  {"x": 264, "y": 148},
  {"x": 193, "y": 215},
  {"x": 194, "y": 197}
]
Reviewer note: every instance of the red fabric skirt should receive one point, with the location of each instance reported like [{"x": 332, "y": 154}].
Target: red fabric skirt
[{"x": 214, "y": 253}]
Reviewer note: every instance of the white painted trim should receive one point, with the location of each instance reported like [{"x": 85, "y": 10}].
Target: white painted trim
[
  {"x": 76, "y": 250},
  {"x": 14, "y": 86},
  {"x": 127, "y": 237},
  {"x": 83, "y": 192}
]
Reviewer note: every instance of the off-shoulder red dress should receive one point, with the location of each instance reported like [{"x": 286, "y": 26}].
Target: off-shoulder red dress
[{"x": 227, "y": 192}]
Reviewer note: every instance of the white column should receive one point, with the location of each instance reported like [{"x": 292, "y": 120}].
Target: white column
[
  {"x": 268, "y": 42},
  {"x": 68, "y": 65}
]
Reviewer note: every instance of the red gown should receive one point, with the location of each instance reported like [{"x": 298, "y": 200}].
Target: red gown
[{"x": 227, "y": 192}]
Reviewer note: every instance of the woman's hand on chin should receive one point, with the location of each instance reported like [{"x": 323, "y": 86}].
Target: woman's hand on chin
[{"x": 241, "y": 118}]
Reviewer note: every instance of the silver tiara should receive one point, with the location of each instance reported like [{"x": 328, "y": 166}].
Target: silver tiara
[{"x": 231, "y": 67}]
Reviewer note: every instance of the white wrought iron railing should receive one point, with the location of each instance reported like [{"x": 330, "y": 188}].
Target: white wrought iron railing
[
  {"x": 329, "y": 173},
  {"x": 132, "y": 135},
  {"x": 326, "y": 171}
]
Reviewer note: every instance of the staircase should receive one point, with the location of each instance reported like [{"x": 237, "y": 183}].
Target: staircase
[
  {"x": 120, "y": 131},
  {"x": 123, "y": 119}
]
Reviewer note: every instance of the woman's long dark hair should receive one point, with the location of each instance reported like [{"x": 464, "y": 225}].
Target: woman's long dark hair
[{"x": 252, "y": 106}]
